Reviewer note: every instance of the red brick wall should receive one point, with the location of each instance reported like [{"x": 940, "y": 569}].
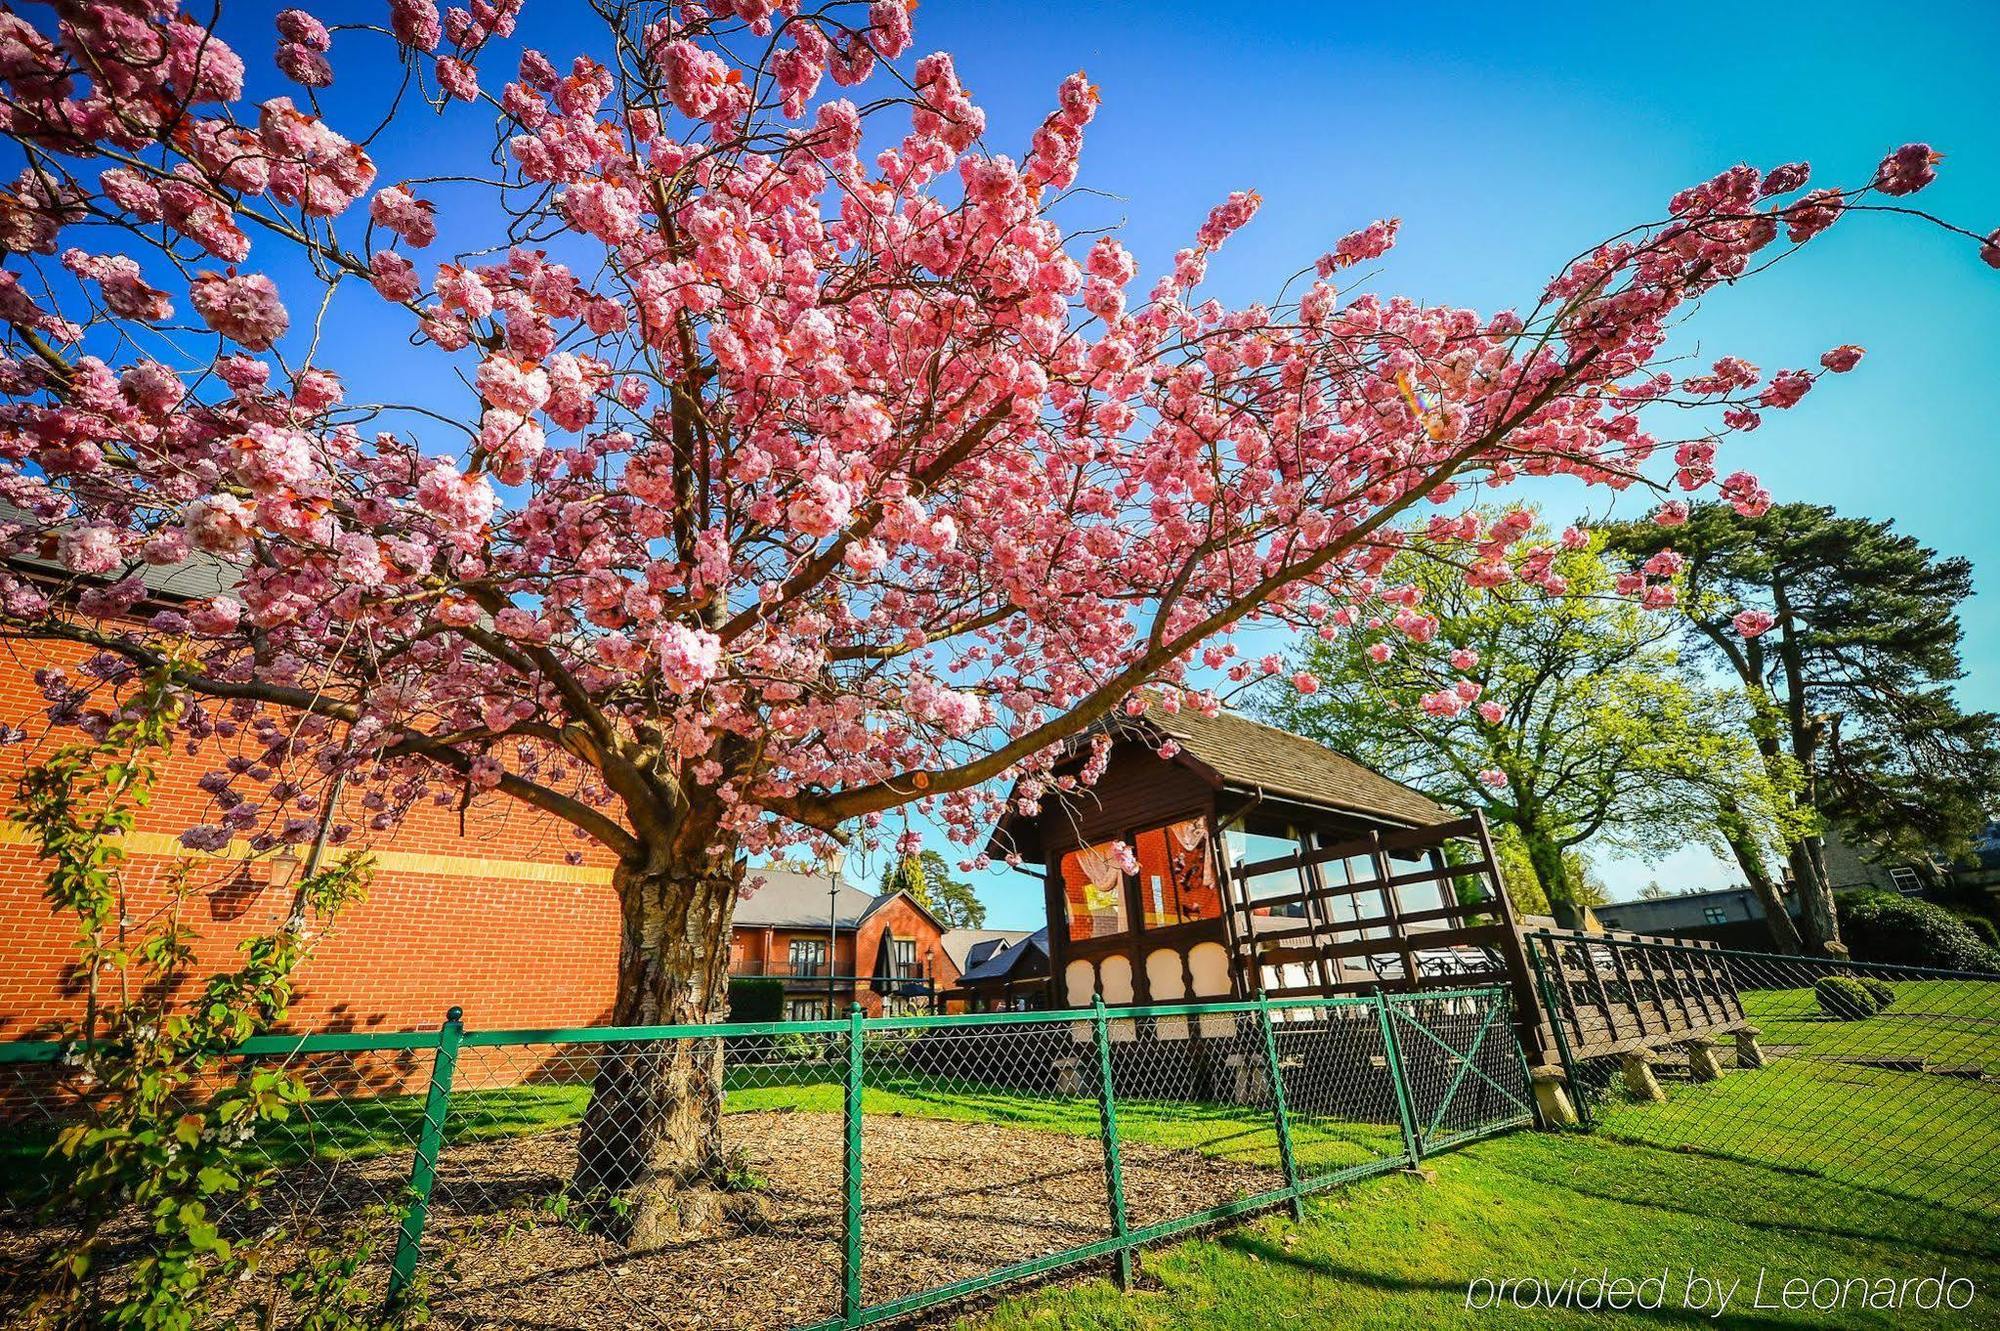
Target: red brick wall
[{"x": 486, "y": 915}]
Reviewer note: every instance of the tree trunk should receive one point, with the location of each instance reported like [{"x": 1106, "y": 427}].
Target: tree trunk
[
  {"x": 1822, "y": 929},
  {"x": 1547, "y": 858},
  {"x": 652, "y": 1135},
  {"x": 1817, "y": 900},
  {"x": 1750, "y": 858}
]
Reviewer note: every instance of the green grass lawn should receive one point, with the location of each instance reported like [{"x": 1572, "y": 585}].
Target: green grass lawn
[
  {"x": 1944, "y": 1021},
  {"x": 1402, "y": 1251}
]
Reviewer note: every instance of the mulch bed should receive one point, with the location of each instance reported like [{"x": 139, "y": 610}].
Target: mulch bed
[{"x": 941, "y": 1201}]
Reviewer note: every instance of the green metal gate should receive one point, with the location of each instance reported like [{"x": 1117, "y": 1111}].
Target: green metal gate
[{"x": 1463, "y": 1069}]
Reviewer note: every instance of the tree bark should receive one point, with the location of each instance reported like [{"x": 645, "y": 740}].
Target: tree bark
[
  {"x": 1546, "y": 856},
  {"x": 1822, "y": 929},
  {"x": 1749, "y": 858},
  {"x": 652, "y": 1134}
]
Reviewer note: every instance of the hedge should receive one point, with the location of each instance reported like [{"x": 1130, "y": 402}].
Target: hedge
[
  {"x": 1904, "y": 931},
  {"x": 755, "y": 998}
]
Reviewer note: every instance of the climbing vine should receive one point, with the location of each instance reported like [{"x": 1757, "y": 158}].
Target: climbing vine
[{"x": 168, "y": 1147}]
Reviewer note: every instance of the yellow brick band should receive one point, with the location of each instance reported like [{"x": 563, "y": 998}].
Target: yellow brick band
[{"x": 388, "y": 861}]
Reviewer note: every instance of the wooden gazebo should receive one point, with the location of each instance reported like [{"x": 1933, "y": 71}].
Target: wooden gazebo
[{"x": 1217, "y": 858}]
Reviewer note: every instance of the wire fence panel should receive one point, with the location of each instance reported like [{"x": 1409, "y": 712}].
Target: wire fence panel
[
  {"x": 982, "y": 1148},
  {"x": 813, "y": 1174},
  {"x": 1462, "y": 1064},
  {"x": 1883, "y": 1077},
  {"x": 1342, "y": 1096}
]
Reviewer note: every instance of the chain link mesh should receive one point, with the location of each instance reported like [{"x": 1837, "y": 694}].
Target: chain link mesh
[
  {"x": 561, "y": 1196},
  {"x": 1882, "y": 1077}
]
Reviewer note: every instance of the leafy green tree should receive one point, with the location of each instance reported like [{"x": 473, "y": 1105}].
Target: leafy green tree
[
  {"x": 927, "y": 878},
  {"x": 1845, "y": 632},
  {"x": 1548, "y": 703}
]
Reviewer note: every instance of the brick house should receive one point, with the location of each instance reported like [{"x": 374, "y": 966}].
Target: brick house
[{"x": 834, "y": 945}]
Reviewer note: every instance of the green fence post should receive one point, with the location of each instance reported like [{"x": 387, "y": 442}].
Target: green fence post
[
  {"x": 1107, "y": 1120},
  {"x": 850, "y": 1164},
  {"x": 1404, "y": 1112},
  {"x": 423, "y": 1168},
  {"x": 1276, "y": 1072},
  {"x": 1576, "y": 1087}
]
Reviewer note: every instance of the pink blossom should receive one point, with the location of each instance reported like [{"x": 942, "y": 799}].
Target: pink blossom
[
  {"x": 244, "y": 308},
  {"x": 1380, "y": 652},
  {"x": 220, "y": 524},
  {"x": 1493, "y": 778},
  {"x": 1463, "y": 658},
  {"x": 606, "y": 211},
  {"x": 1227, "y": 217},
  {"x": 1442, "y": 703},
  {"x": 1371, "y": 242},
  {"x": 1673, "y": 513},
  {"x": 1751, "y": 623},
  {"x": 689, "y": 657},
  {"x": 1908, "y": 169},
  {"x": 393, "y": 276},
  {"x": 1812, "y": 214},
  {"x": 1989, "y": 249},
  {"x": 216, "y": 616},
  {"x": 88, "y": 550},
  {"x": 1784, "y": 179},
  {"x": 1785, "y": 390},
  {"x": 415, "y": 23},
  {"x": 205, "y": 836},
  {"x": 1491, "y": 712},
  {"x": 1305, "y": 683},
  {"x": 459, "y": 79},
  {"x": 411, "y": 218},
  {"x": 1842, "y": 358},
  {"x": 461, "y": 504},
  {"x": 1745, "y": 495},
  {"x": 508, "y": 383},
  {"x": 126, "y": 292}
]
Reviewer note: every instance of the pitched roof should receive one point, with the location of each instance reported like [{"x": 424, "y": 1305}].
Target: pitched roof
[
  {"x": 968, "y": 947},
  {"x": 788, "y": 899},
  {"x": 1250, "y": 754},
  {"x": 199, "y": 575},
  {"x": 1004, "y": 963}
]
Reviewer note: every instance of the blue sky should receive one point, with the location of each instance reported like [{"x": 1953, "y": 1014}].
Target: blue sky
[{"x": 1507, "y": 140}]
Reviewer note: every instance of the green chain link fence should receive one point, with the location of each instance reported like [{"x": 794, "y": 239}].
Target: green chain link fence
[
  {"x": 869, "y": 1168},
  {"x": 1882, "y": 1077}
]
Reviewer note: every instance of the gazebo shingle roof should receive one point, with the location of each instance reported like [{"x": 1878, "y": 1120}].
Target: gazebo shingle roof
[{"x": 1249, "y": 754}]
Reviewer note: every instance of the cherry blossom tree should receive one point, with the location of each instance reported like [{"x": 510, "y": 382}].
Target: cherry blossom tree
[{"x": 805, "y": 467}]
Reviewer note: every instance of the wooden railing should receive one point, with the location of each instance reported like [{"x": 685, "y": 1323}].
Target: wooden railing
[
  {"x": 1469, "y": 938},
  {"x": 1616, "y": 992}
]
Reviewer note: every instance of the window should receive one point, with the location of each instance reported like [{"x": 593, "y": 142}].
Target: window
[
  {"x": 1906, "y": 880},
  {"x": 1176, "y": 875},
  {"x": 806, "y": 1009},
  {"x": 1251, "y": 847},
  {"x": 903, "y": 958},
  {"x": 1714, "y": 915},
  {"x": 1094, "y": 891},
  {"x": 809, "y": 956}
]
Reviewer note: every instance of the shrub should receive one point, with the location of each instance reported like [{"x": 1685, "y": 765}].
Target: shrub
[
  {"x": 1846, "y": 999},
  {"x": 1989, "y": 933},
  {"x": 753, "y": 998},
  {"x": 1884, "y": 992},
  {"x": 1905, "y": 931}
]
